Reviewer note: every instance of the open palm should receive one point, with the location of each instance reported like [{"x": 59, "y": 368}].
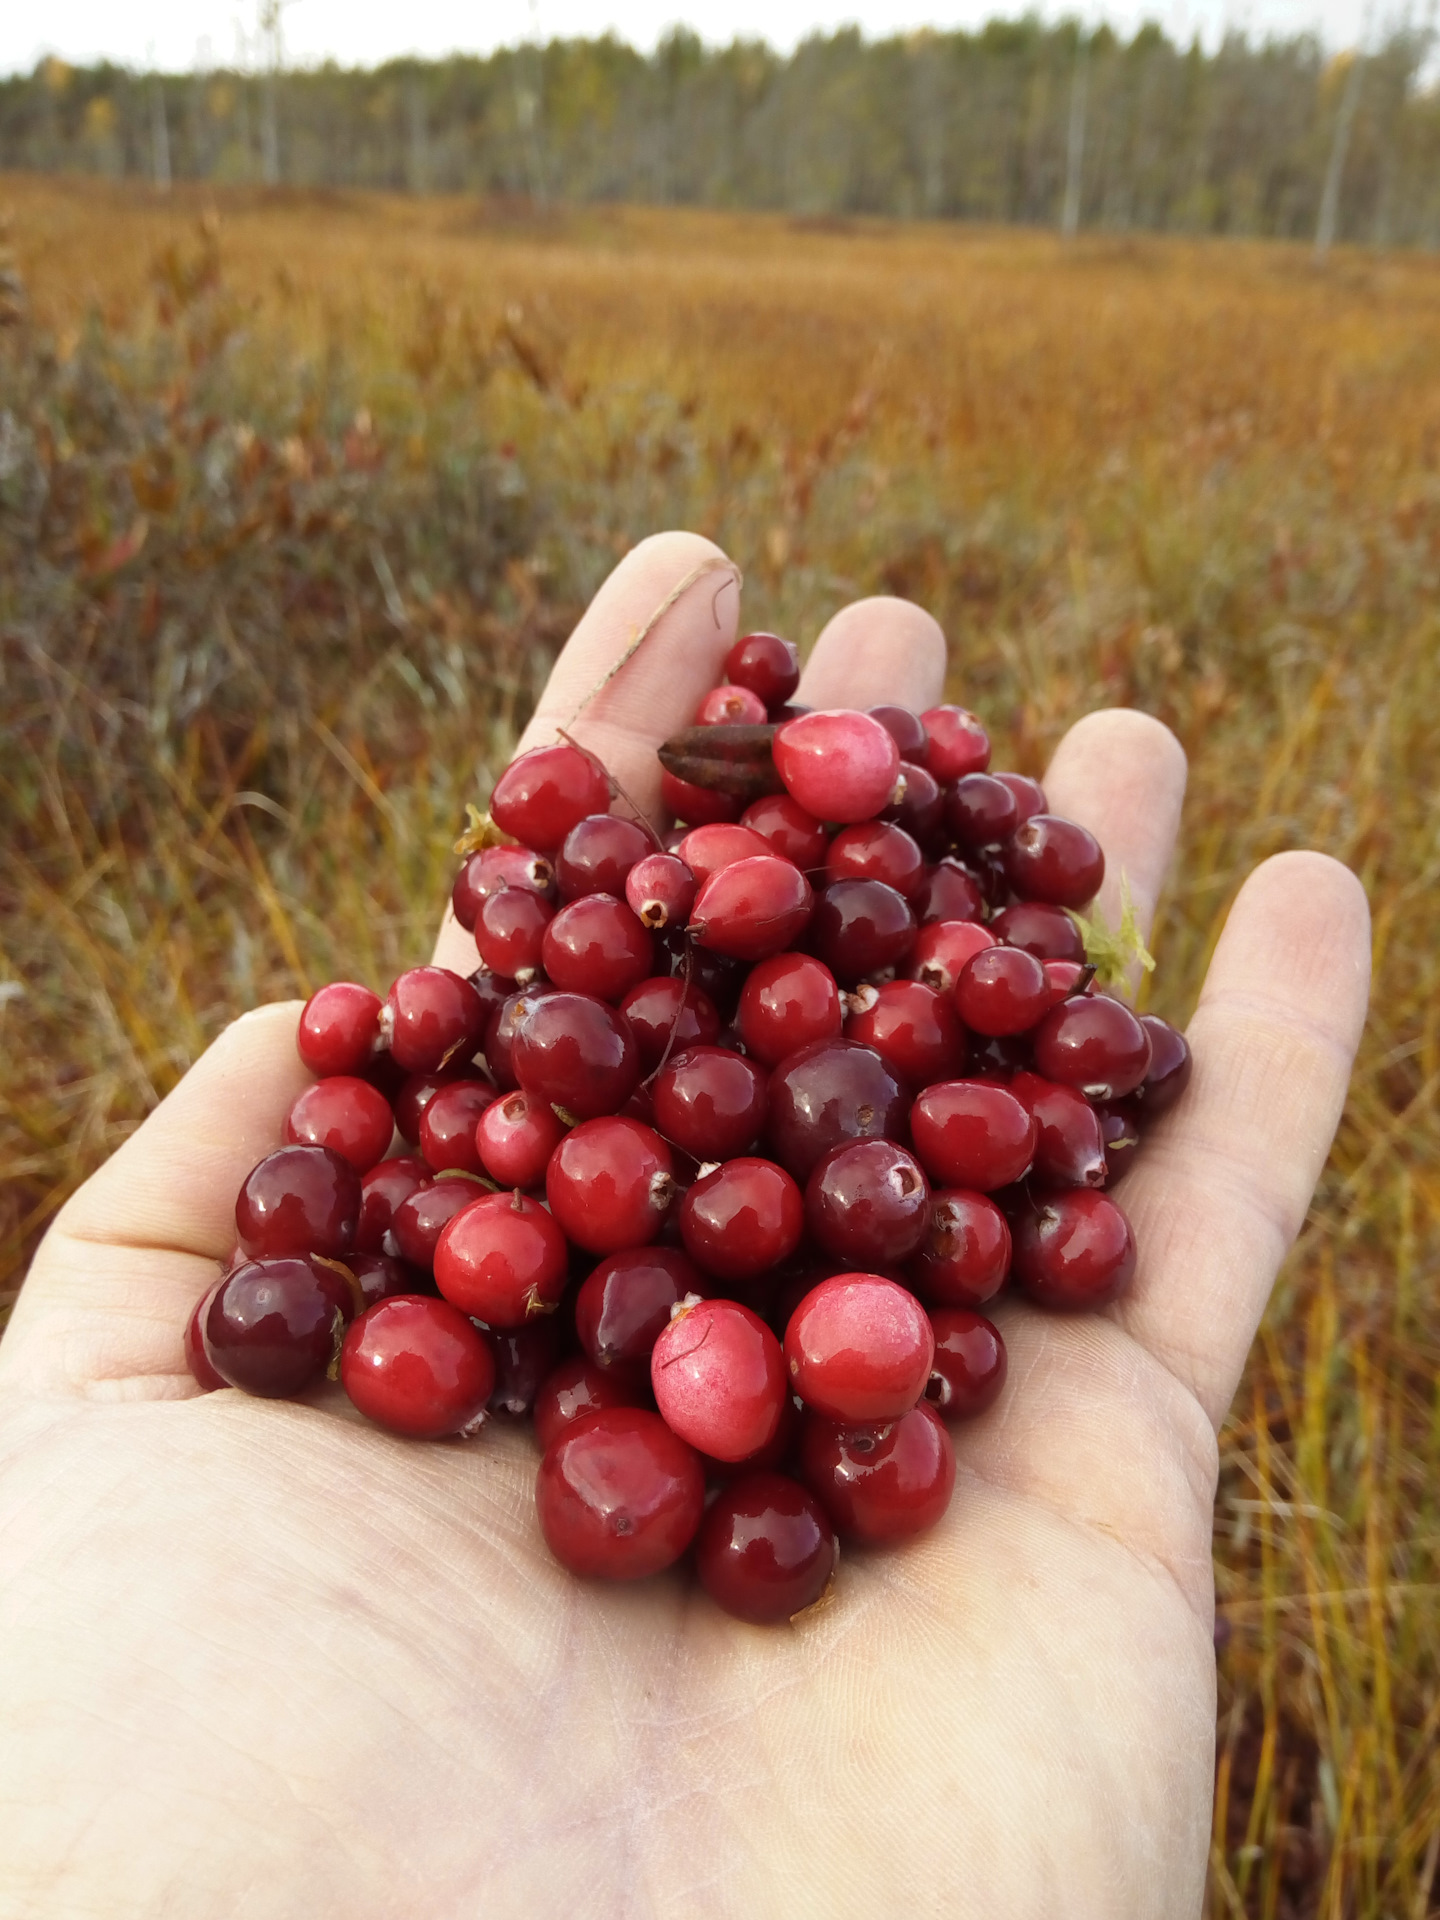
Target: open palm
[{"x": 258, "y": 1660}]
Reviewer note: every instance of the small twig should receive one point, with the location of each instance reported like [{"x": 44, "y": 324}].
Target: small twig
[{"x": 713, "y": 565}]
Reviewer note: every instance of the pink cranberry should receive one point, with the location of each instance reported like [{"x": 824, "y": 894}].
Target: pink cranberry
[
  {"x": 766, "y": 1549},
  {"x": 431, "y": 1017},
  {"x": 970, "y": 1362},
  {"x": 598, "y": 855},
  {"x": 971, "y": 1133},
  {"x": 944, "y": 948},
  {"x": 546, "y": 792},
  {"x": 868, "y": 1204},
  {"x": 1074, "y": 1250},
  {"x": 575, "y": 1389},
  {"x": 299, "y": 1200},
  {"x": 788, "y": 1002},
  {"x": 788, "y": 830},
  {"x": 696, "y": 805},
  {"x": 957, "y": 744},
  {"x": 742, "y": 1218},
  {"x": 839, "y": 765},
  {"x": 1054, "y": 860},
  {"x": 718, "y": 1378},
  {"x": 711, "y": 1102},
  {"x": 766, "y": 666},
  {"x": 708, "y": 850},
  {"x": 965, "y": 1256},
  {"x": 660, "y": 891},
  {"x": 1094, "y": 1043},
  {"x": 619, "y": 1495},
  {"x": 502, "y": 1260},
  {"x": 876, "y": 850},
  {"x": 417, "y": 1366},
  {"x": 624, "y": 1305},
  {"x": 597, "y": 946},
  {"x": 344, "y": 1113},
  {"x": 514, "y": 1139},
  {"x": 574, "y": 1052},
  {"x": 339, "y": 1026},
  {"x": 913, "y": 1028},
  {"x": 610, "y": 1184},
  {"x": 858, "y": 1348},
  {"x": 752, "y": 908},
  {"x": 731, "y": 707},
  {"x": 879, "y": 1483},
  {"x": 1002, "y": 990}
]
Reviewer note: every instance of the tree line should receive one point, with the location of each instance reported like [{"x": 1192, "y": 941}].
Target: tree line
[{"x": 1018, "y": 121}]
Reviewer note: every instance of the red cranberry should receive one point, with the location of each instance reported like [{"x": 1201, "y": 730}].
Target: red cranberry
[
  {"x": 944, "y": 948},
  {"x": 980, "y": 811},
  {"x": 420, "y": 1219},
  {"x": 1029, "y": 795},
  {"x": 379, "y": 1277},
  {"x": 1170, "y": 1067},
  {"x": 731, "y": 707},
  {"x": 787, "y": 830},
  {"x": 875, "y": 850},
  {"x": 860, "y": 928},
  {"x": 859, "y": 1348},
  {"x": 510, "y": 931},
  {"x": 502, "y": 1259},
  {"x": 575, "y": 1388},
  {"x": 868, "y": 1204},
  {"x": 382, "y": 1190},
  {"x": 447, "y": 1126},
  {"x": 339, "y": 1026},
  {"x": 970, "y": 1133},
  {"x": 920, "y": 812},
  {"x": 299, "y": 1200},
  {"x": 840, "y": 764},
  {"x": 486, "y": 872},
  {"x": 905, "y": 728},
  {"x": 768, "y": 1459},
  {"x": 969, "y": 1366},
  {"x": 660, "y": 891},
  {"x": 619, "y": 1495},
  {"x": 1002, "y": 990},
  {"x": 610, "y": 1184},
  {"x": 525, "y": 1357},
  {"x": 707, "y": 850},
  {"x": 596, "y": 945},
  {"x": 575, "y": 1052},
  {"x": 1069, "y": 1146},
  {"x": 742, "y": 1218},
  {"x": 788, "y": 1001},
  {"x": 546, "y": 792},
  {"x": 415, "y": 1365},
  {"x": 273, "y": 1324},
  {"x": 431, "y": 1017},
  {"x": 346, "y": 1114},
  {"x": 966, "y": 1253},
  {"x": 753, "y": 908},
  {"x": 765, "y": 1550},
  {"x": 914, "y": 1029},
  {"x": 950, "y": 892},
  {"x": 1093, "y": 1043},
  {"x": 494, "y": 990},
  {"x": 196, "y": 1358},
  {"x": 624, "y": 1304},
  {"x": 1074, "y": 1250},
  {"x": 718, "y": 1378},
  {"x": 879, "y": 1483},
  {"x": 417, "y": 1090},
  {"x": 1065, "y": 978},
  {"x": 598, "y": 854},
  {"x": 696, "y": 805},
  {"x": 766, "y": 666},
  {"x": 514, "y": 1139},
  {"x": 500, "y": 1037},
  {"x": 716, "y": 977},
  {"x": 1047, "y": 932},
  {"x": 667, "y": 1016},
  {"x": 957, "y": 744},
  {"x": 1054, "y": 860},
  {"x": 1120, "y": 1137},
  {"x": 710, "y": 1102},
  {"x": 831, "y": 1091}
]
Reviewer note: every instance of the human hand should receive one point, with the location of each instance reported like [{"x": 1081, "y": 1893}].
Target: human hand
[{"x": 261, "y": 1661}]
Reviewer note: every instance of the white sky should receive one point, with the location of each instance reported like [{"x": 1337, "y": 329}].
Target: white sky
[{"x": 180, "y": 30}]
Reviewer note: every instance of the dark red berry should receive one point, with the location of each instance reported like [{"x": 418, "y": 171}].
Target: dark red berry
[
  {"x": 431, "y": 1017},
  {"x": 273, "y": 1325},
  {"x": 1170, "y": 1067},
  {"x": 344, "y": 1113},
  {"x": 949, "y": 892},
  {"x": 502, "y": 1259},
  {"x": 419, "y": 1367},
  {"x": 1002, "y": 990},
  {"x": 619, "y": 1495},
  {"x": 382, "y": 1190},
  {"x": 299, "y": 1200},
  {"x": 788, "y": 1001},
  {"x": 831, "y": 1091},
  {"x": 710, "y": 1102},
  {"x": 969, "y": 1366},
  {"x": 920, "y": 811},
  {"x": 667, "y": 1016},
  {"x": 379, "y": 1277},
  {"x": 448, "y": 1124},
  {"x": 596, "y": 945},
  {"x": 486, "y": 872},
  {"x": 514, "y": 1139},
  {"x": 876, "y": 850},
  {"x": 731, "y": 707},
  {"x": 862, "y": 929},
  {"x": 788, "y": 830},
  {"x": 879, "y": 1483},
  {"x": 766, "y": 1549},
  {"x": 546, "y": 792},
  {"x": 965, "y": 1256},
  {"x": 1074, "y": 1250},
  {"x": 838, "y": 764},
  {"x": 943, "y": 949},
  {"x": 339, "y": 1026},
  {"x": 957, "y": 744},
  {"x": 510, "y": 930},
  {"x": 598, "y": 855},
  {"x": 1055, "y": 860},
  {"x": 524, "y": 1358},
  {"x": 742, "y": 1218},
  {"x": 1047, "y": 932},
  {"x": 971, "y": 1133},
  {"x": 905, "y": 728},
  {"x": 1064, "y": 978},
  {"x": 575, "y": 1388},
  {"x": 417, "y": 1090},
  {"x": 718, "y": 1378},
  {"x": 867, "y": 1204},
  {"x": 500, "y": 1037},
  {"x": 1069, "y": 1147},
  {"x": 196, "y": 1358},
  {"x": 574, "y": 1052},
  {"x": 1120, "y": 1137},
  {"x": 766, "y": 665},
  {"x": 858, "y": 1349},
  {"x": 980, "y": 811},
  {"x": 419, "y": 1220},
  {"x": 752, "y": 908},
  {"x": 1029, "y": 795},
  {"x": 1094, "y": 1043},
  {"x": 610, "y": 1184},
  {"x": 912, "y": 1027},
  {"x": 660, "y": 891},
  {"x": 624, "y": 1305}
]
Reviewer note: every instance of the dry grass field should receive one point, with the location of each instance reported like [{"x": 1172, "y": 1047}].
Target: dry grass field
[{"x": 298, "y": 495}]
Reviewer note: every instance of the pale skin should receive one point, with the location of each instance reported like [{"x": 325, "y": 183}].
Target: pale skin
[{"x": 259, "y": 1660}]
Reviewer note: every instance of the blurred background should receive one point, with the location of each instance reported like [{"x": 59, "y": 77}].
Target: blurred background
[{"x": 337, "y": 370}]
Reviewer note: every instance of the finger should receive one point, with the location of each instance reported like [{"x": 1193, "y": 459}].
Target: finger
[
  {"x": 657, "y": 689},
  {"x": 116, "y": 1277},
  {"x": 874, "y": 653},
  {"x": 1222, "y": 1185}
]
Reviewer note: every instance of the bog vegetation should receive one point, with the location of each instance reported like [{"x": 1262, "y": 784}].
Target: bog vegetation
[{"x": 299, "y": 494}]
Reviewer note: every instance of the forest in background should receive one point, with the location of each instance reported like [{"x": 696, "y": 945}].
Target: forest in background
[{"x": 1019, "y": 122}]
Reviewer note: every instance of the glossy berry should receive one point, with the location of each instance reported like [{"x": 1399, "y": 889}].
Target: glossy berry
[
  {"x": 382, "y": 1190},
  {"x": 862, "y": 929},
  {"x": 598, "y": 854},
  {"x": 431, "y": 1017},
  {"x": 1047, "y": 932},
  {"x": 339, "y": 1026},
  {"x": 299, "y": 1200},
  {"x": 502, "y": 1259},
  {"x": 867, "y": 1204},
  {"x": 546, "y": 792},
  {"x": 766, "y": 665},
  {"x": 972, "y": 1133},
  {"x": 666, "y": 1016},
  {"x": 596, "y": 945},
  {"x": 500, "y": 1037},
  {"x": 610, "y": 1184},
  {"x": 957, "y": 744},
  {"x": 950, "y": 892},
  {"x": 525, "y": 1357},
  {"x": 1170, "y": 1067},
  {"x": 624, "y": 1305},
  {"x": 1064, "y": 978},
  {"x": 660, "y": 891},
  {"x": 752, "y": 908},
  {"x": 574, "y": 1052},
  {"x": 788, "y": 830},
  {"x": 741, "y": 1219},
  {"x": 574, "y": 1389},
  {"x": 766, "y": 1549},
  {"x": 419, "y": 1220},
  {"x": 968, "y": 1371},
  {"x": 486, "y": 872},
  {"x": 1054, "y": 860},
  {"x": 1028, "y": 794},
  {"x": 509, "y": 931},
  {"x": 920, "y": 811},
  {"x": 1120, "y": 1138},
  {"x": 1002, "y": 990},
  {"x": 943, "y": 949},
  {"x": 378, "y": 1276},
  {"x": 696, "y": 805},
  {"x": 619, "y": 1495},
  {"x": 914, "y": 1029},
  {"x": 448, "y": 1124},
  {"x": 1069, "y": 1145},
  {"x": 718, "y": 1378},
  {"x": 858, "y": 1349},
  {"x": 344, "y": 1113},
  {"x": 273, "y": 1325},
  {"x": 1074, "y": 1250},
  {"x": 839, "y": 764},
  {"x": 514, "y": 1139},
  {"x": 965, "y": 1256},
  {"x": 905, "y": 728},
  {"x": 196, "y": 1358},
  {"x": 788, "y": 1001},
  {"x": 1093, "y": 1043},
  {"x": 731, "y": 707},
  {"x": 711, "y": 1102},
  {"x": 831, "y": 1091},
  {"x": 876, "y": 850},
  {"x": 415, "y": 1365},
  {"x": 417, "y": 1090},
  {"x": 980, "y": 811},
  {"x": 706, "y": 850},
  {"x": 879, "y": 1483}
]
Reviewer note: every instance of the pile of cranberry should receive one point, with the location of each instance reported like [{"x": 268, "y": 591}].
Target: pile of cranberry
[{"x": 713, "y": 1162}]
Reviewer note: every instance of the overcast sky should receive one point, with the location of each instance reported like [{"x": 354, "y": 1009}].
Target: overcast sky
[{"x": 182, "y": 31}]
